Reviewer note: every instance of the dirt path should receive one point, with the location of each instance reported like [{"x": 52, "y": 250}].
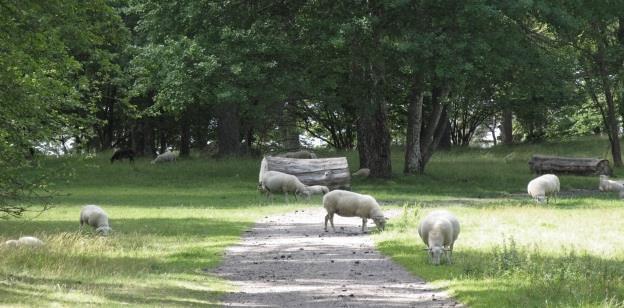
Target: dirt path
[{"x": 289, "y": 261}]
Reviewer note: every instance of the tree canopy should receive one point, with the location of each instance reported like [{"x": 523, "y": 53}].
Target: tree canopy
[{"x": 245, "y": 77}]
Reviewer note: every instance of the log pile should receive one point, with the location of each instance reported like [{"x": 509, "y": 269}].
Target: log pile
[
  {"x": 541, "y": 164},
  {"x": 332, "y": 172}
]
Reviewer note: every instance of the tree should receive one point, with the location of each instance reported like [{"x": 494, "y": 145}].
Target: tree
[
  {"x": 596, "y": 33},
  {"x": 43, "y": 88}
]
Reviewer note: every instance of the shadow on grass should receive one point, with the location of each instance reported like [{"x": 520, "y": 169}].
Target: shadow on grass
[
  {"x": 123, "y": 227},
  {"x": 508, "y": 276},
  {"x": 161, "y": 292},
  {"x": 155, "y": 261}
]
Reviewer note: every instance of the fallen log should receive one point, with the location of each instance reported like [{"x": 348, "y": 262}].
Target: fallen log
[
  {"x": 541, "y": 164},
  {"x": 331, "y": 172}
]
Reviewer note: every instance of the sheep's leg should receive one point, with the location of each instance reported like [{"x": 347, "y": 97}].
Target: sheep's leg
[
  {"x": 326, "y": 219},
  {"x": 331, "y": 220},
  {"x": 364, "y": 220},
  {"x": 286, "y": 196}
]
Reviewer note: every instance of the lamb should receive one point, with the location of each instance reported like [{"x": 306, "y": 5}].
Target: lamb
[
  {"x": 24, "y": 241},
  {"x": 279, "y": 182},
  {"x": 543, "y": 186},
  {"x": 609, "y": 185},
  {"x": 316, "y": 190},
  {"x": 298, "y": 154},
  {"x": 350, "y": 204},
  {"x": 95, "y": 217},
  {"x": 439, "y": 231},
  {"x": 168, "y": 156},
  {"x": 121, "y": 154},
  {"x": 364, "y": 172}
]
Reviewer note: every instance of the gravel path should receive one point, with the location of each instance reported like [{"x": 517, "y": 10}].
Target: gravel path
[{"x": 289, "y": 261}]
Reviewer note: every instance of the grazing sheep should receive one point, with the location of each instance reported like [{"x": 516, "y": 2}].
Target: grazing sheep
[
  {"x": 540, "y": 188},
  {"x": 609, "y": 185},
  {"x": 316, "y": 190},
  {"x": 95, "y": 217},
  {"x": 299, "y": 154},
  {"x": 168, "y": 156},
  {"x": 439, "y": 231},
  {"x": 121, "y": 154},
  {"x": 364, "y": 172},
  {"x": 24, "y": 241},
  {"x": 350, "y": 204},
  {"x": 279, "y": 182}
]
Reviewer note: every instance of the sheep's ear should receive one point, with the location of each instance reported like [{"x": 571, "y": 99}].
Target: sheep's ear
[{"x": 426, "y": 249}]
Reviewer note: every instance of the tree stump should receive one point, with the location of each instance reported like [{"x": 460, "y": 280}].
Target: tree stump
[
  {"x": 331, "y": 172},
  {"x": 541, "y": 164}
]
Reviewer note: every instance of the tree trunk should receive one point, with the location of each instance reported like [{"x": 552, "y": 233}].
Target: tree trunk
[
  {"x": 288, "y": 127},
  {"x": 414, "y": 126},
  {"x": 435, "y": 126},
  {"x": 185, "y": 137},
  {"x": 613, "y": 125},
  {"x": 540, "y": 164},
  {"x": 228, "y": 129},
  {"x": 375, "y": 146},
  {"x": 507, "y": 126},
  {"x": 445, "y": 140}
]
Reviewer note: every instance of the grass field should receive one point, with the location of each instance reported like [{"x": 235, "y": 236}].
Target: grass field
[{"x": 173, "y": 222}]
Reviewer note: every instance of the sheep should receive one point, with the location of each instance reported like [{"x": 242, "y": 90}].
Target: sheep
[
  {"x": 609, "y": 185},
  {"x": 121, "y": 154},
  {"x": 316, "y": 190},
  {"x": 279, "y": 182},
  {"x": 364, "y": 172},
  {"x": 168, "y": 156},
  {"x": 439, "y": 231},
  {"x": 298, "y": 154},
  {"x": 24, "y": 241},
  {"x": 95, "y": 217},
  {"x": 542, "y": 187},
  {"x": 350, "y": 204}
]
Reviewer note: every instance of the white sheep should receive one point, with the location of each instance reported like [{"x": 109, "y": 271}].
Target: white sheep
[
  {"x": 166, "y": 157},
  {"x": 542, "y": 187},
  {"x": 439, "y": 231},
  {"x": 279, "y": 182},
  {"x": 298, "y": 154},
  {"x": 24, "y": 241},
  {"x": 364, "y": 172},
  {"x": 609, "y": 185},
  {"x": 315, "y": 190},
  {"x": 350, "y": 204},
  {"x": 95, "y": 217}
]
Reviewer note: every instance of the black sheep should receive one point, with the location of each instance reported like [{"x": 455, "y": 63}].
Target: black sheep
[{"x": 121, "y": 154}]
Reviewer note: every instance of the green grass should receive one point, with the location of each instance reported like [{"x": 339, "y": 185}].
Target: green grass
[
  {"x": 173, "y": 222},
  {"x": 171, "y": 225}
]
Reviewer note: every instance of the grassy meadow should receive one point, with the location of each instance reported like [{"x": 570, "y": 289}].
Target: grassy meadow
[{"x": 173, "y": 222}]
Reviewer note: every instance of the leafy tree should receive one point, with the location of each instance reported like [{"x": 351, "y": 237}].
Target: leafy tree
[{"x": 46, "y": 84}]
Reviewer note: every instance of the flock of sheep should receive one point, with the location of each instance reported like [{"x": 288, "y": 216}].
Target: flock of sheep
[{"x": 438, "y": 230}]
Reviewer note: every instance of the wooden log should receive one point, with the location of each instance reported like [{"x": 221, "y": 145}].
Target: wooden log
[
  {"x": 332, "y": 172},
  {"x": 541, "y": 164}
]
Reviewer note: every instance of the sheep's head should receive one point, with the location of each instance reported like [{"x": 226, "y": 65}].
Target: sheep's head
[
  {"x": 435, "y": 253},
  {"x": 380, "y": 222},
  {"x": 540, "y": 199},
  {"x": 303, "y": 192},
  {"x": 11, "y": 243},
  {"x": 104, "y": 230}
]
